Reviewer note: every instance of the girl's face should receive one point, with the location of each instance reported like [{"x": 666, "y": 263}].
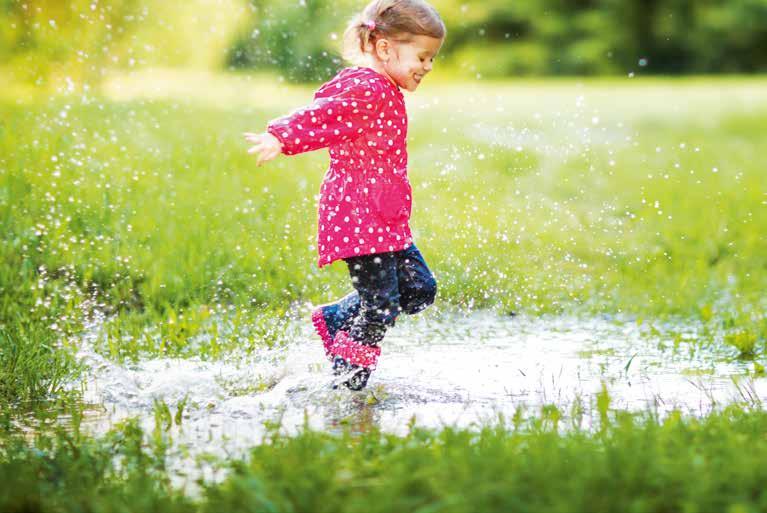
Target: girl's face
[{"x": 407, "y": 62}]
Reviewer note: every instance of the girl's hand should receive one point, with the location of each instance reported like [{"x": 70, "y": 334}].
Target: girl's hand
[{"x": 265, "y": 145}]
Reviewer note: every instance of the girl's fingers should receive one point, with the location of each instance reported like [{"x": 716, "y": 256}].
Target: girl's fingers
[
  {"x": 263, "y": 157},
  {"x": 260, "y": 147},
  {"x": 254, "y": 137},
  {"x": 266, "y": 157}
]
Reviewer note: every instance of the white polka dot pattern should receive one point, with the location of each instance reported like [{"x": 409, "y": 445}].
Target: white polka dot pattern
[{"x": 365, "y": 197}]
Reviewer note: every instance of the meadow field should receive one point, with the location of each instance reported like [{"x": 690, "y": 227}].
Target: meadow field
[{"x": 137, "y": 208}]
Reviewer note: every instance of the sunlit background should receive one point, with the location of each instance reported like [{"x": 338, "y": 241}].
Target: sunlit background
[{"x": 57, "y": 44}]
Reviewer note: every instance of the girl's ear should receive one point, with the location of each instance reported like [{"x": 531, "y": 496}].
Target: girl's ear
[{"x": 383, "y": 49}]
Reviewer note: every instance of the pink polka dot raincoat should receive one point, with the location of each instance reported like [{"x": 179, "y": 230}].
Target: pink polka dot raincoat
[{"x": 365, "y": 197}]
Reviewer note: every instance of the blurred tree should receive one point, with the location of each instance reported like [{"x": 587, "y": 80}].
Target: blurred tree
[
  {"x": 77, "y": 41},
  {"x": 732, "y": 34},
  {"x": 41, "y": 38},
  {"x": 301, "y": 38},
  {"x": 607, "y": 36}
]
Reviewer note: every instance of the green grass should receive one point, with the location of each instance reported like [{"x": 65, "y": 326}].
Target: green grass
[
  {"x": 643, "y": 197},
  {"x": 66, "y": 471},
  {"x": 35, "y": 359},
  {"x": 632, "y": 462}
]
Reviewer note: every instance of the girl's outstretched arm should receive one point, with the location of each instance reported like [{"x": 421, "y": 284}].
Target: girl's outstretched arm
[{"x": 342, "y": 111}]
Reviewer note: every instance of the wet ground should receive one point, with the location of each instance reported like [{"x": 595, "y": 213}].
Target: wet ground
[
  {"x": 436, "y": 369},
  {"x": 445, "y": 369}
]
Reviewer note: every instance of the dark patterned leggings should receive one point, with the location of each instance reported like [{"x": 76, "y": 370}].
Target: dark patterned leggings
[{"x": 385, "y": 284}]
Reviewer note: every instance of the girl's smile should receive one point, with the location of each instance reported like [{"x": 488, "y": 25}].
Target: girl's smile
[{"x": 406, "y": 63}]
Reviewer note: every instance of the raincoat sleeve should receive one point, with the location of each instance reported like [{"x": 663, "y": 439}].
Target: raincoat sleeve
[{"x": 337, "y": 115}]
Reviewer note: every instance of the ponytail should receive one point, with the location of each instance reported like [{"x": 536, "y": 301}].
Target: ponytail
[{"x": 396, "y": 19}]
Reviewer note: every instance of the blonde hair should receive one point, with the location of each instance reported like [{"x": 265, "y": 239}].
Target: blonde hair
[{"x": 395, "y": 19}]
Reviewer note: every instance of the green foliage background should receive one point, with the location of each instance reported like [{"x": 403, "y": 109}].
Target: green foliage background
[{"x": 301, "y": 39}]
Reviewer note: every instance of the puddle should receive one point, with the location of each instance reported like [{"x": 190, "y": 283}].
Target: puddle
[{"x": 436, "y": 370}]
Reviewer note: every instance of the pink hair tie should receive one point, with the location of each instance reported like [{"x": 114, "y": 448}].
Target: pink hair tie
[{"x": 371, "y": 25}]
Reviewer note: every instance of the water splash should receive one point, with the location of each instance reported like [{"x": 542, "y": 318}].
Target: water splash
[
  {"x": 445, "y": 369},
  {"x": 437, "y": 369}
]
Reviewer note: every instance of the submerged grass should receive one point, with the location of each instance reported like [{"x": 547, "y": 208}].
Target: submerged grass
[{"x": 633, "y": 462}]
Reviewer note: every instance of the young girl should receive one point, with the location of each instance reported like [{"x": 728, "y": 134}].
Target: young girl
[{"x": 365, "y": 197}]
